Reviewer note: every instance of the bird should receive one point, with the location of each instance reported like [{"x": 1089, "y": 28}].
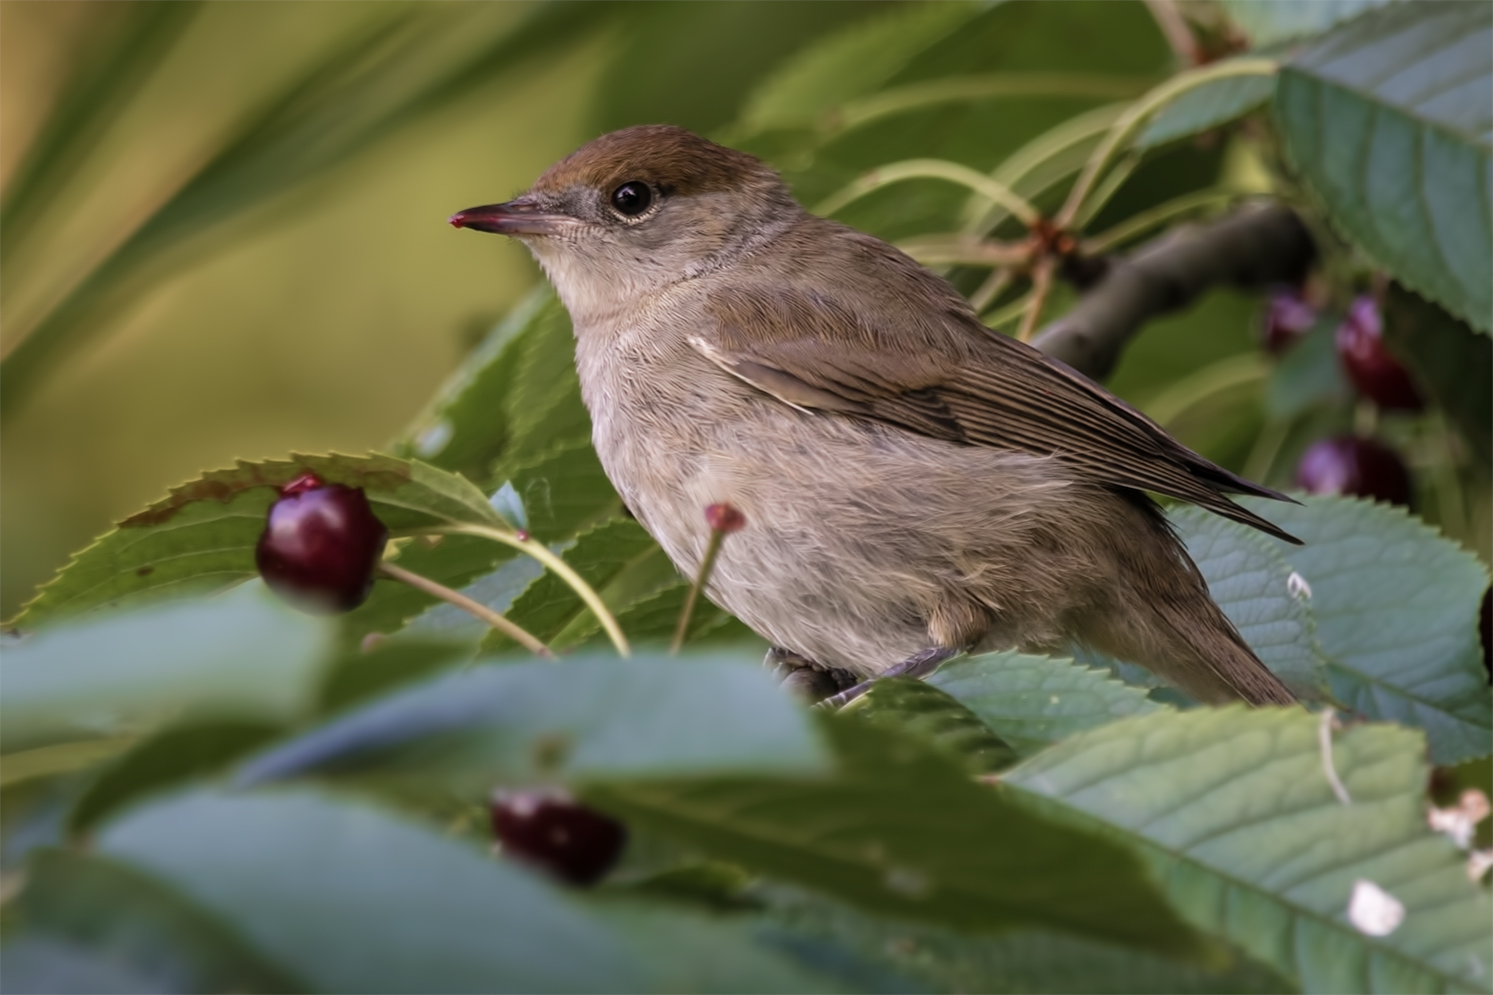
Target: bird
[{"x": 914, "y": 485}]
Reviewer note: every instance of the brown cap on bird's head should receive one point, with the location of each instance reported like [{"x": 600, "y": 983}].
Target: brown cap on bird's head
[
  {"x": 674, "y": 160},
  {"x": 638, "y": 166}
]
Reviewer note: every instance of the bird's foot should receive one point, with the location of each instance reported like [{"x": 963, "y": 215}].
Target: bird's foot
[
  {"x": 917, "y": 666},
  {"x": 804, "y": 677}
]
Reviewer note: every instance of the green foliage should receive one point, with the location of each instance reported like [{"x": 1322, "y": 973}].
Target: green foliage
[
  {"x": 924, "y": 712},
  {"x": 583, "y": 719},
  {"x": 1213, "y": 104},
  {"x": 1014, "y": 963},
  {"x": 1251, "y": 581},
  {"x": 1234, "y": 812},
  {"x": 903, "y": 831},
  {"x": 171, "y": 757},
  {"x": 202, "y": 536},
  {"x": 1395, "y": 607},
  {"x": 244, "y": 654},
  {"x": 179, "y": 777},
  {"x": 1450, "y": 361},
  {"x": 1268, "y": 22},
  {"x": 618, "y": 558},
  {"x": 359, "y": 674},
  {"x": 852, "y": 63},
  {"x": 1034, "y": 701},
  {"x": 161, "y": 941},
  {"x": 460, "y": 922},
  {"x": 1402, "y": 159}
]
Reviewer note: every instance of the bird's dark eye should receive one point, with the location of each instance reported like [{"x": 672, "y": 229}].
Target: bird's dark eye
[{"x": 632, "y": 198}]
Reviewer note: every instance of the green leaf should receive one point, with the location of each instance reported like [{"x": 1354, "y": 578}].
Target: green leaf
[
  {"x": 564, "y": 490},
  {"x": 39, "y": 963},
  {"x": 653, "y": 620},
  {"x": 1033, "y": 701},
  {"x": 361, "y": 900},
  {"x": 903, "y": 832},
  {"x": 1251, "y": 581},
  {"x": 514, "y": 398},
  {"x": 354, "y": 899},
  {"x": 1235, "y": 814},
  {"x": 360, "y": 674},
  {"x": 497, "y": 590},
  {"x": 202, "y": 536},
  {"x": 619, "y": 559},
  {"x": 580, "y": 719},
  {"x": 1396, "y": 610},
  {"x": 1450, "y": 361},
  {"x": 680, "y": 952},
  {"x": 1022, "y": 962},
  {"x": 455, "y": 561},
  {"x": 244, "y": 653},
  {"x": 1270, "y": 21},
  {"x": 169, "y": 758},
  {"x": 850, "y": 63},
  {"x": 127, "y": 920},
  {"x": 923, "y": 712},
  {"x": 1387, "y": 118},
  {"x": 1205, "y": 108}
]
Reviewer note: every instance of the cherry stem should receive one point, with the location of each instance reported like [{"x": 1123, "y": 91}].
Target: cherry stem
[
  {"x": 1041, "y": 285},
  {"x": 541, "y": 552},
  {"x": 717, "y": 537},
  {"x": 481, "y": 611}
]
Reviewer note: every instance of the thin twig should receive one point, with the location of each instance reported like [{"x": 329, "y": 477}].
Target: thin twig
[
  {"x": 1041, "y": 285},
  {"x": 1324, "y": 738},
  {"x": 1130, "y": 122},
  {"x": 932, "y": 169},
  {"x": 1258, "y": 245},
  {"x": 985, "y": 87},
  {"x": 477, "y": 608},
  {"x": 1139, "y": 224},
  {"x": 1175, "y": 30},
  {"x": 1226, "y": 374},
  {"x": 1007, "y": 314},
  {"x": 997, "y": 281},
  {"x": 966, "y": 250},
  {"x": 702, "y": 576},
  {"x": 1102, "y": 194}
]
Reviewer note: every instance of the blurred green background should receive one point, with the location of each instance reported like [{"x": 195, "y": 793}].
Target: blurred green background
[{"x": 322, "y": 320}]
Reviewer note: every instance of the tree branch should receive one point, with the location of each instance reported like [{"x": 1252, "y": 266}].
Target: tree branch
[{"x": 1256, "y": 246}]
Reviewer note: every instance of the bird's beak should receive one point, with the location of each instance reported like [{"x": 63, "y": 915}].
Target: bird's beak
[{"x": 519, "y": 216}]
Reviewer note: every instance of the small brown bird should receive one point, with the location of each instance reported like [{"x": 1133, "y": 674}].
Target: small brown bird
[{"x": 914, "y": 485}]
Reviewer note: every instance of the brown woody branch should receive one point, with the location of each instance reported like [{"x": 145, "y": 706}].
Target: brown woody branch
[{"x": 1259, "y": 245}]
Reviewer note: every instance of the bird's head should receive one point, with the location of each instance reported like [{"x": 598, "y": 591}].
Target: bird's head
[{"x": 637, "y": 210}]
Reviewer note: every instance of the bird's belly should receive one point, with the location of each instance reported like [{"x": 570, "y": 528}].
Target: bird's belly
[{"x": 854, "y": 532}]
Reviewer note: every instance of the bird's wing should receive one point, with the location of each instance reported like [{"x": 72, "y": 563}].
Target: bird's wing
[{"x": 940, "y": 373}]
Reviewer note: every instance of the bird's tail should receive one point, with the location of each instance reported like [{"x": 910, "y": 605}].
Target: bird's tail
[
  {"x": 1196, "y": 648},
  {"x": 1165, "y": 620}
]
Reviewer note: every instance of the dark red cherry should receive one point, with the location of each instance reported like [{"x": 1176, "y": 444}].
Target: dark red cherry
[
  {"x": 548, "y": 830},
  {"x": 320, "y": 545},
  {"x": 1288, "y": 317},
  {"x": 1376, "y": 374},
  {"x": 1348, "y": 464}
]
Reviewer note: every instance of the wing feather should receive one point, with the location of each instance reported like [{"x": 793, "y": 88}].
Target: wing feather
[{"x": 940, "y": 373}]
